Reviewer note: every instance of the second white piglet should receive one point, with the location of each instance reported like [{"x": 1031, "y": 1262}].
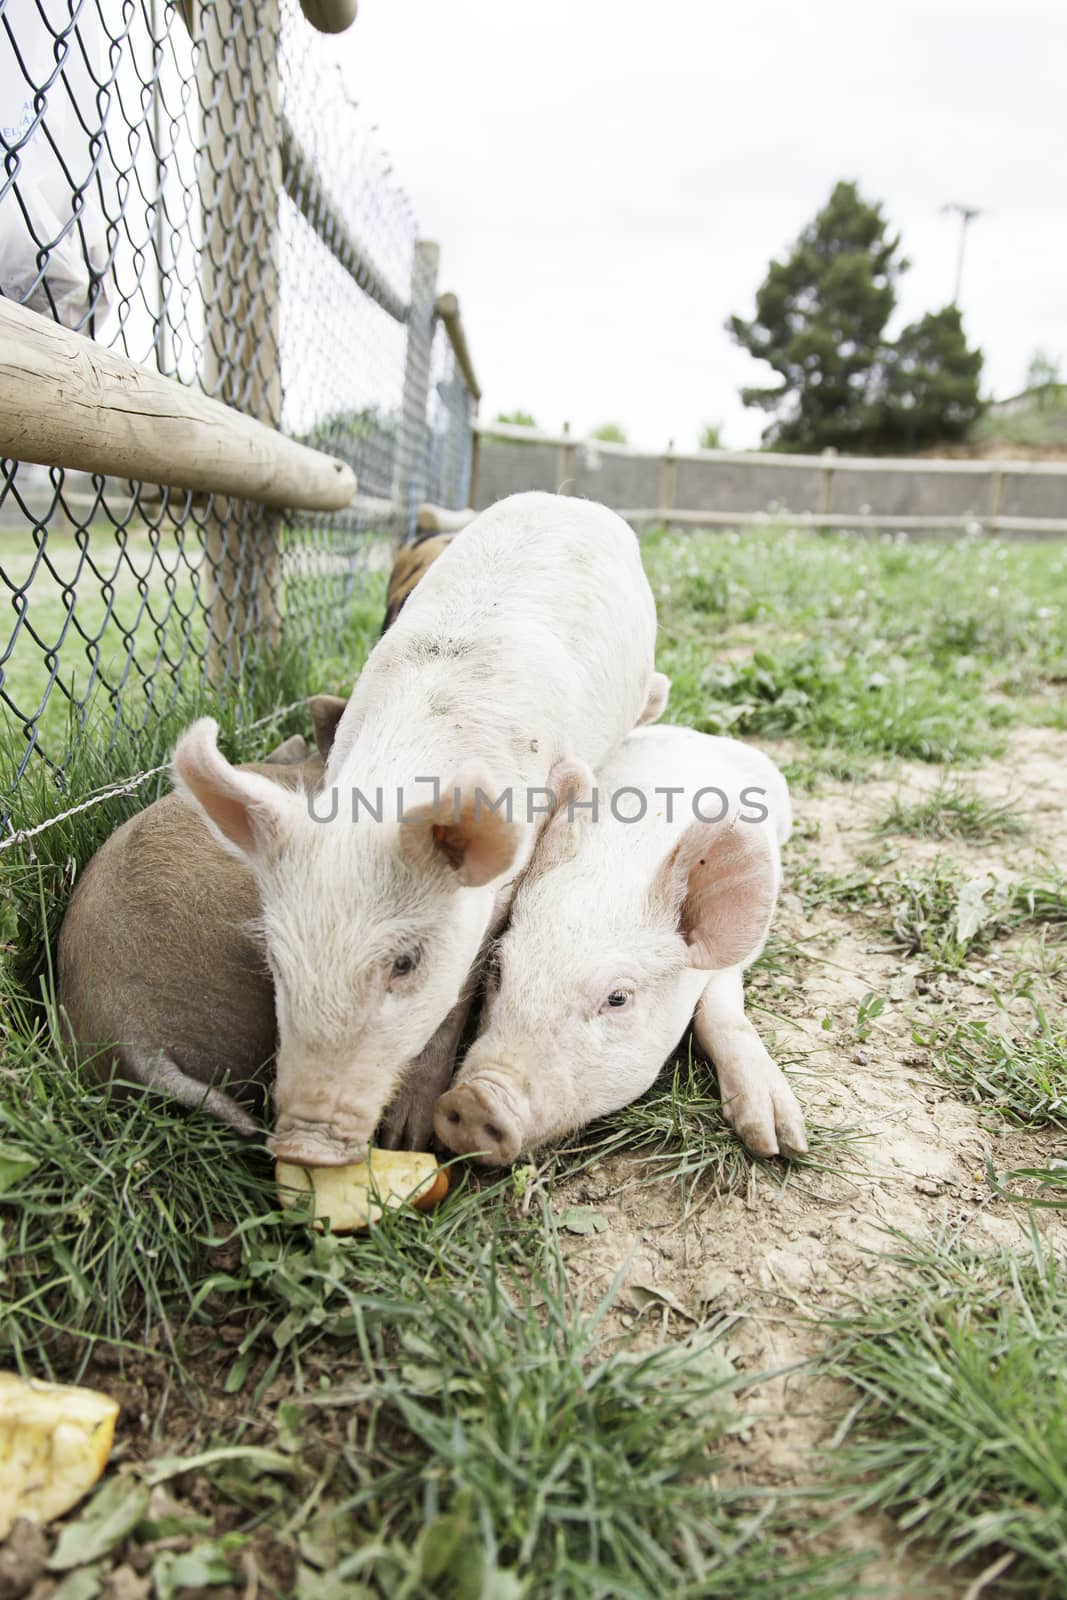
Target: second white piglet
[{"x": 632, "y": 921}]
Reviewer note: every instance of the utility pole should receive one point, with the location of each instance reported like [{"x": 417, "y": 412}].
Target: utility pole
[{"x": 966, "y": 215}]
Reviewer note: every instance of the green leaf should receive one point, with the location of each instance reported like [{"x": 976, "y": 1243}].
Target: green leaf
[
  {"x": 583, "y": 1219},
  {"x": 443, "y": 1538},
  {"x": 15, "y": 1164},
  {"x": 971, "y": 908},
  {"x": 85, "y": 1584},
  {"x": 644, "y": 1295},
  {"x": 289, "y": 1421},
  {"x": 164, "y": 1467},
  {"x": 112, "y": 1513},
  {"x": 312, "y": 1585},
  {"x": 238, "y": 1373},
  {"x": 200, "y": 1568}
]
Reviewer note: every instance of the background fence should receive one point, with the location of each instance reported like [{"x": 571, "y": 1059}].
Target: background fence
[
  {"x": 189, "y": 186},
  {"x": 730, "y": 489}
]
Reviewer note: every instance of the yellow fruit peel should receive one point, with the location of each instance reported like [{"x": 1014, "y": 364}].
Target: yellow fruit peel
[
  {"x": 353, "y": 1197},
  {"x": 54, "y": 1444}
]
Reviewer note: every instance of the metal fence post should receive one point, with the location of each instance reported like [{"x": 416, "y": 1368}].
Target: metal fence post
[
  {"x": 240, "y": 180},
  {"x": 409, "y": 483}
]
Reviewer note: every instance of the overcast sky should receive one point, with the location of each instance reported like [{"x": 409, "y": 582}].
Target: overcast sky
[{"x": 608, "y": 179}]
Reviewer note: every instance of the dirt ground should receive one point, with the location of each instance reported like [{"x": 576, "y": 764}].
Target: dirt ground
[{"x": 782, "y": 1256}]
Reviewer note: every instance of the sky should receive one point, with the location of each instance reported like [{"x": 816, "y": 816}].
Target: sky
[{"x": 608, "y": 180}]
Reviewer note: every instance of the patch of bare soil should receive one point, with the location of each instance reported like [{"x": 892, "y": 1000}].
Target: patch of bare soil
[{"x": 784, "y": 1256}]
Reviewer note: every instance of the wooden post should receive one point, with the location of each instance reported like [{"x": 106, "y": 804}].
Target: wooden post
[
  {"x": 666, "y": 478},
  {"x": 240, "y": 179},
  {"x": 330, "y": 16},
  {"x": 565, "y": 462},
  {"x": 410, "y": 466},
  {"x": 996, "y": 499},
  {"x": 826, "y": 491}
]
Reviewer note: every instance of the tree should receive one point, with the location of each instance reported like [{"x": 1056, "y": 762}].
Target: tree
[
  {"x": 930, "y": 382},
  {"x": 711, "y": 436},
  {"x": 516, "y": 419},
  {"x": 1044, "y": 381},
  {"x": 610, "y": 433},
  {"x": 820, "y": 321}
]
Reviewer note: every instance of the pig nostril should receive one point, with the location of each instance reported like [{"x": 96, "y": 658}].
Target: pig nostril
[
  {"x": 494, "y": 1132},
  {"x": 453, "y": 1116}
]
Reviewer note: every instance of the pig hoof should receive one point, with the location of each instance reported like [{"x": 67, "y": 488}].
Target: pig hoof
[
  {"x": 768, "y": 1120},
  {"x": 469, "y": 1121}
]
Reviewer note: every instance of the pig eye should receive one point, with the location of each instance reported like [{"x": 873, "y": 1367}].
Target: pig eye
[
  {"x": 406, "y": 963},
  {"x": 618, "y": 998}
]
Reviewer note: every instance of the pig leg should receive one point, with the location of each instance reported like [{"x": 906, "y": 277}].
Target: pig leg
[
  {"x": 757, "y": 1101},
  {"x": 408, "y": 1121},
  {"x": 160, "y": 1071}
]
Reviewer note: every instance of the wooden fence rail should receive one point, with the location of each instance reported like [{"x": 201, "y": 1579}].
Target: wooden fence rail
[{"x": 67, "y": 402}]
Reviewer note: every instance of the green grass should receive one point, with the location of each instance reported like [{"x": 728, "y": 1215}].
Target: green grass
[
  {"x": 860, "y": 648},
  {"x": 1021, "y": 1074},
  {"x": 961, "y": 1430},
  {"x": 953, "y": 812},
  {"x": 676, "y": 1133},
  {"x": 132, "y": 616},
  {"x": 938, "y": 912},
  {"x": 946, "y": 916},
  {"x": 142, "y": 607},
  {"x": 461, "y": 1424},
  {"x": 109, "y": 1205}
]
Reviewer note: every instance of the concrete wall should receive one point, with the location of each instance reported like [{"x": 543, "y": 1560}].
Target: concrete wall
[{"x": 757, "y": 485}]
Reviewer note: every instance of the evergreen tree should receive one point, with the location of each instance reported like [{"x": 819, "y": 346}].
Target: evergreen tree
[
  {"x": 930, "y": 381},
  {"x": 820, "y": 320}
]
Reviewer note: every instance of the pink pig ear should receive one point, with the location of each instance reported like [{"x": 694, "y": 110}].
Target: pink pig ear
[
  {"x": 247, "y": 813},
  {"x": 721, "y": 879},
  {"x": 473, "y": 828},
  {"x": 573, "y": 784}
]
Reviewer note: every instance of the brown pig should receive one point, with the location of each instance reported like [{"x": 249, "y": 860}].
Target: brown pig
[{"x": 159, "y": 968}]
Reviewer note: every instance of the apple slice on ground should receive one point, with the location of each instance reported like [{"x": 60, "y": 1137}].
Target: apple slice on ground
[
  {"x": 54, "y": 1444},
  {"x": 353, "y": 1197}
]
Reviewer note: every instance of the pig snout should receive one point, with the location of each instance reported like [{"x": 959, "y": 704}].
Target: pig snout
[
  {"x": 479, "y": 1119},
  {"x": 313, "y": 1144}
]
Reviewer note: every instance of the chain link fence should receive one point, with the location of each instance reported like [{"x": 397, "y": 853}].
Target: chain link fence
[{"x": 190, "y": 186}]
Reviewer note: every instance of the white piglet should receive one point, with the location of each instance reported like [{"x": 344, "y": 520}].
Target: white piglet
[
  {"x": 530, "y": 640},
  {"x": 623, "y": 932}
]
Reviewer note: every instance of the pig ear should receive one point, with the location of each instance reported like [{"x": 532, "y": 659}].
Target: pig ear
[
  {"x": 291, "y": 750},
  {"x": 326, "y": 712},
  {"x": 244, "y": 811},
  {"x": 658, "y": 691},
  {"x": 476, "y": 841},
  {"x": 572, "y": 783},
  {"x": 721, "y": 881}
]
